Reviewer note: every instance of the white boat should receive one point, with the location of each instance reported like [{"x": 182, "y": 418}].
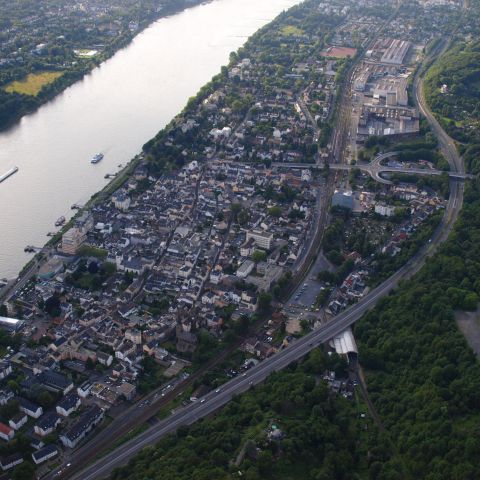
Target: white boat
[
  {"x": 96, "y": 158},
  {"x": 8, "y": 174}
]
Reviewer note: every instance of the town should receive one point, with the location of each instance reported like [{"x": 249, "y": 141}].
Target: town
[{"x": 199, "y": 245}]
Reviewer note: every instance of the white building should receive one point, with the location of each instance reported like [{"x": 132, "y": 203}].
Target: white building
[
  {"x": 245, "y": 269},
  {"x": 262, "y": 239}
]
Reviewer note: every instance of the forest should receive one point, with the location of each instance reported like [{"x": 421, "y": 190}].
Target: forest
[
  {"x": 452, "y": 88},
  {"x": 318, "y": 435}
]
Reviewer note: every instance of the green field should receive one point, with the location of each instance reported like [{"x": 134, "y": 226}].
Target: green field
[
  {"x": 289, "y": 30},
  {"x": 32, "y": 83}
]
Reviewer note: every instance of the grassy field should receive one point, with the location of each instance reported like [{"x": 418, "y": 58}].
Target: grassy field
[
  {"x": 33, "y": 83},
  {"x": 289, "y": 30}
]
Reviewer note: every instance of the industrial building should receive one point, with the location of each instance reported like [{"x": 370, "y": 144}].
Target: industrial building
[
  {"x": 396, "y": 52},
  {"x": 12, "y": 325}
]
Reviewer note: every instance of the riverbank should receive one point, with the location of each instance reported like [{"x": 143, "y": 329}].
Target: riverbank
[
  {"x": 14, "y": 106},
  {"x": 115, "y": 110}
]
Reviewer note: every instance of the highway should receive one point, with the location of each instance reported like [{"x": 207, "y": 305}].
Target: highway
[{"x": 375, "y": 168}]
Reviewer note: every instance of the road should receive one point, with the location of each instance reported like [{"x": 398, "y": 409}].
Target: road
[
  {"x": 375, "y": 168},
  {"x": 195, "y": 411}
]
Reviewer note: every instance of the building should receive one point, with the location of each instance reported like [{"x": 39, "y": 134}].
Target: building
[
  {"x": 18, "y": 421},
  {"x": 72, "y": 240},
  {"x": 55, "y": 382},
  {"x": 262, "y": 239},
  {"x": 11, "y": 324},
  {"x": 84, "y": 389},
  {"x": 44, "y": 454},
  {"x": 387, "y": 120},
  {"x": 5, "y": 369},
  {"x": 6, "y": 463},
  {"x": 47, "y": 424},
  {"x": 245, "y": 269},
  {"x": 31, "y": 409},
  {"x": 5, "y": 396},
  {"x": 395, "y": 52},
  {"x": 68, "y": 405},
  {"x": 85, "y": 424},
  {"x": 384, "y": 210},
  {"x": 342, "y": 199},
  {"x": 104, "y": 358},
  {"x": 127, "y": 390},
  {"x": 6, "y": 432},
  {"x": 121, "y": 200}
]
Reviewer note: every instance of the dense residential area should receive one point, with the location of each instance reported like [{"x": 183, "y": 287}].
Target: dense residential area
[{"x": 296, "y": 182}]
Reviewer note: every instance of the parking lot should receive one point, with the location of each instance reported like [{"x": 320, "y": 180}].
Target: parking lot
[{"x": 305, "y": 295}]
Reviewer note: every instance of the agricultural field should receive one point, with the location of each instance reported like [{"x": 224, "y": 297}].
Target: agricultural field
[{"x": 33, "y": 83}]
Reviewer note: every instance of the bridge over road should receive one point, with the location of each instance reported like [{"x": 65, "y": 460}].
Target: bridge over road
[{"x": 375, "y": 168}]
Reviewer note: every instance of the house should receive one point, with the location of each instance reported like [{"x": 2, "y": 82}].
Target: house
[
  {"x": 127, "y": 390},
  {"x": 84, "y": 389},
  {"x": 104, "y": 359},
  {"x": 44, "y": 454},
  {"x": 6, "y": 463},
  {"x": 55, "y": 382},
  {"x": 36, "y": 442},
  {"x": 18, "y": 421},
  {"x": 31, "y": 409},
  {"x": 6, "y": 433},
  {"x": 68, "y": 405},
  {"x": 47, "y": 424},
  {"x": 5, "y": 369},
  {"x": 125, "y": 349},
  {"x": 186, "y": 342},
  {"x": 5, "y": 396},
  {"x": 85, "y": 424},
  {"x": 121, "y": 200}
]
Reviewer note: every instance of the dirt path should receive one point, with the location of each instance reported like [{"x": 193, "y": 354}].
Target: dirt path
[{"x": 469, "y": 325}]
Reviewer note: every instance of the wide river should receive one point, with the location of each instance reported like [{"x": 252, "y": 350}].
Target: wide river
[{"x": 114, "y": 110}]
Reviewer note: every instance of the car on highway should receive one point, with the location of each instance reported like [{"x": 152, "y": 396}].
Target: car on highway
[
  {"x": 202, "y": 400},
  {"x": 217, "y": 390}
]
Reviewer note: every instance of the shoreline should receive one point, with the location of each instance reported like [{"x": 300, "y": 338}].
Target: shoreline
[{"x": 79, "y": 75}]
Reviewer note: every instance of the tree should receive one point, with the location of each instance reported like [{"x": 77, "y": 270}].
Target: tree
[
  {"x": 264, "y": 302},
  {"x": 45, "y": 399},
  {"x": 243, "y": 217},
  {"x": 259, "y": 256},
  {"x": 52, "y": 305},
  {"x": 13, "y": 386},
  {"x": 235, "y": 208},
  {"x": 93, "y": 267},
  {"x": 275, "y": 211},
  {"x": 90, "y": 364},
  {"x": 241, "y": 327},
  {"x": 25, "y": 471}
]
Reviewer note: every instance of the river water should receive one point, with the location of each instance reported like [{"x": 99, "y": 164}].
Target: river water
[{"x": 115, "y": 110}]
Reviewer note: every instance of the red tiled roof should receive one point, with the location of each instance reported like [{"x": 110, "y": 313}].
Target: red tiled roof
[{"x": 5, "y": 429}]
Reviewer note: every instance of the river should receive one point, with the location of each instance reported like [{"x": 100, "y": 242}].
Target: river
[{"x": 115, "y": 109}]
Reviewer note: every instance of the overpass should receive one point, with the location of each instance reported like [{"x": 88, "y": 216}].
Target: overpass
[{"x": 375, "y": 168}]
